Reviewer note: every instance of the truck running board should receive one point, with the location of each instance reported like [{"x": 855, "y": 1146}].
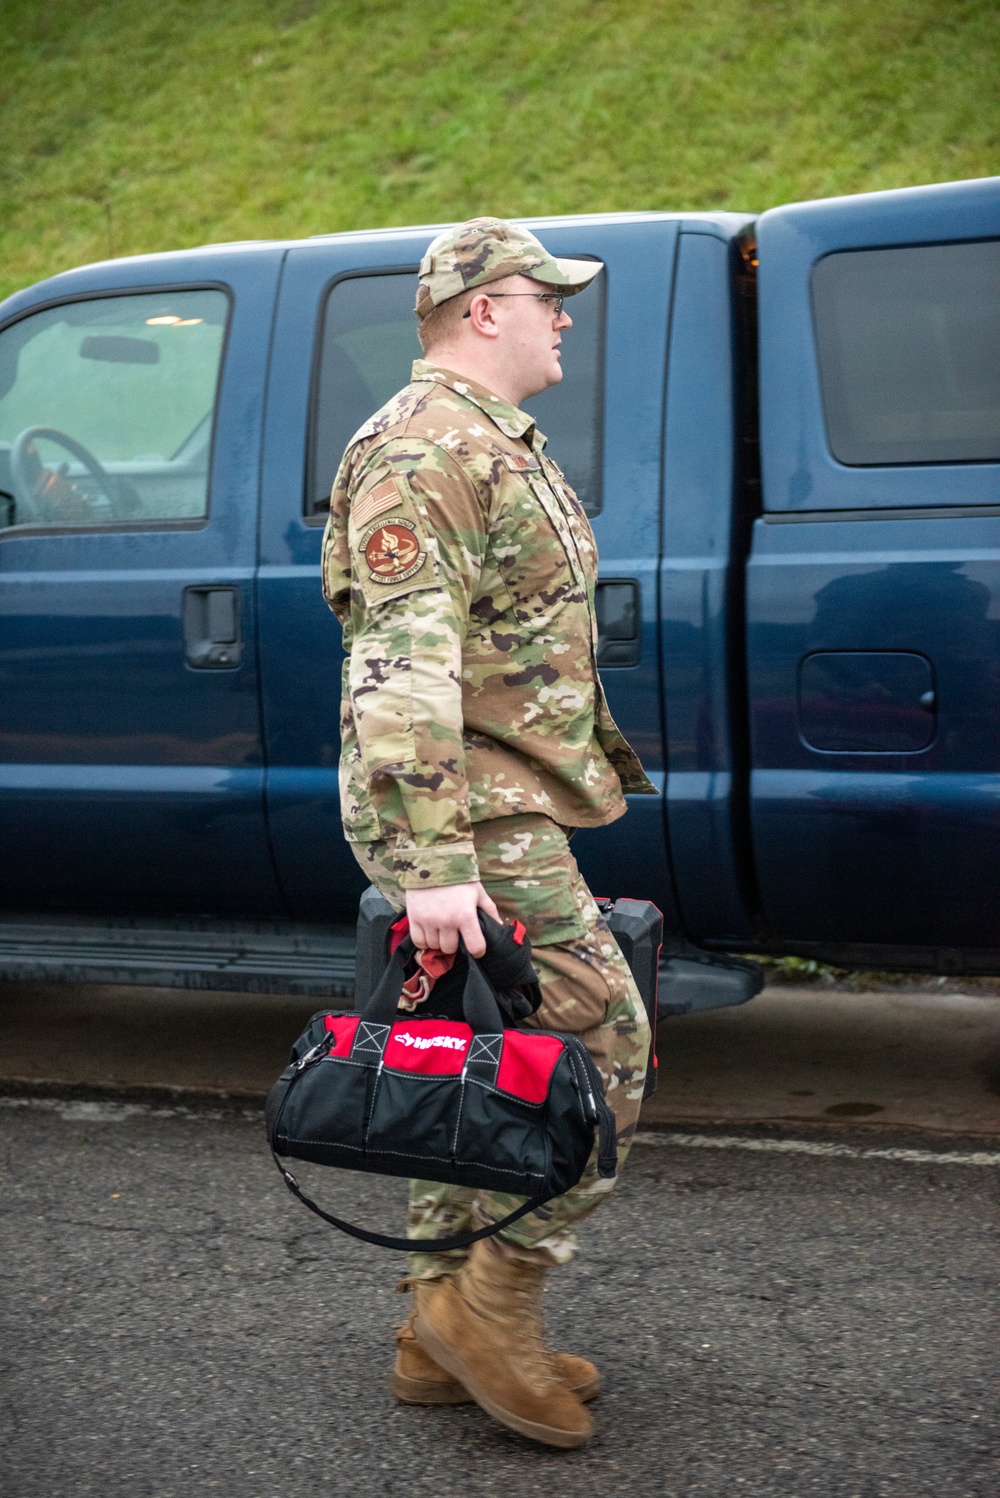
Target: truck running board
[
  {"x": 283, "y": 957},
  {"x": 692, "y": 979},
  {"x": 247, "y": 956}
]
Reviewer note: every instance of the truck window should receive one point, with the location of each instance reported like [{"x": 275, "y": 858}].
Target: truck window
[
  {"x": 107, "y": 409},
  {"x": 368, "y": 344},
  {"x": 909, "y": 353}
]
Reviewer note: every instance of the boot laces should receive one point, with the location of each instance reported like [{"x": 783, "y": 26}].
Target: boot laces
[{"x": 537, "y": 1358}]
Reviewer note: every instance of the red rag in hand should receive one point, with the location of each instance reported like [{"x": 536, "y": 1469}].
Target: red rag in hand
[{"x": 431, "y": 966}]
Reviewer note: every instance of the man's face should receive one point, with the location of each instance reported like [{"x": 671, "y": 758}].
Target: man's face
[{"x": 531, "y": 332}]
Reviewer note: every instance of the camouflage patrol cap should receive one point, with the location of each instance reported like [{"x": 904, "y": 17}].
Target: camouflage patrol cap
[{"x": 487, "y": 249}]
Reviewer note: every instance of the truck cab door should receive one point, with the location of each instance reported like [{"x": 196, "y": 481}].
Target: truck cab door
[
  {"x": 873, "y": 590},
  {"x": 131, "y": 764},
  {"x": 344, "y": 342}
]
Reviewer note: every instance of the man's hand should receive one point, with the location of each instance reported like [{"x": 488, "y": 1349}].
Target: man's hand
[{"x": 438, "y": 917}]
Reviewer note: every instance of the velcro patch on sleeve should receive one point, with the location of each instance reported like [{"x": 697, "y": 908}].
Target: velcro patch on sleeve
[
  {"x": 376, "y": 502},
  {"x": 392, "y": 551},
  {"x": 520, "y": 462}
]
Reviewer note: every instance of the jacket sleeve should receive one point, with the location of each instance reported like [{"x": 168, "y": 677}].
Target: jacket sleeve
[{"x": 417, "y": 535}]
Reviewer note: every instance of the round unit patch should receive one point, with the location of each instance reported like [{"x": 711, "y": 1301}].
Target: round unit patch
[{"x": 393, "y": 551}]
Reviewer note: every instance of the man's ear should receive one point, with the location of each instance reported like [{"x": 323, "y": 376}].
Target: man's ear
[{"x": 481, "y": 313}]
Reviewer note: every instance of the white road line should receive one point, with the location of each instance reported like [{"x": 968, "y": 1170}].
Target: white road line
[
  {"x": 106, "y": 1110},
  {"x": 812, "y": 1147}
]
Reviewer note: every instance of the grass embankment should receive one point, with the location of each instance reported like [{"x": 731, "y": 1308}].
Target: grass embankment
[
  {"x": 127, "y": 126},
  {"x": 806, "y": 972}
]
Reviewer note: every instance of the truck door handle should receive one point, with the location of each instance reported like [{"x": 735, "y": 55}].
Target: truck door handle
[
  {"x": 618, "y": 616},
  {"x": 212, "y": 640}
]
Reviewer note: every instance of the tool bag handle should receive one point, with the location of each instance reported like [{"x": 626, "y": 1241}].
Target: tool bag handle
[{"x": 479, "y": 1006}]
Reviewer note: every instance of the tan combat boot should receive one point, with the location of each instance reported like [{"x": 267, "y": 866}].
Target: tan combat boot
[
  {"x": 484, "y": 1327},
  {"x": 417, "y": 1379}
]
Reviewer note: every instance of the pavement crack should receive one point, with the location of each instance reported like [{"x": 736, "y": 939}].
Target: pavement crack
[
  {"x": 13, "y": 1422},
  {"x": 100, "y": 1227}
]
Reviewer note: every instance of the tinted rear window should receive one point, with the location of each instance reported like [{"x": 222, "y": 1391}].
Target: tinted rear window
[
  {"x": 369, "y": 342},
  {"x": 909, "y": 353}
]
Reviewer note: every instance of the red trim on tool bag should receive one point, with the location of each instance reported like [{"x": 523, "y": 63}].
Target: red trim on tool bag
[
  {"x": 430, "y": 1047},
  {"x": 343, "y": 1026},
  {"x": 527, "y": 1063},
  {"x": 520, "y": 932},
  {"x": 399, "y": 932}
]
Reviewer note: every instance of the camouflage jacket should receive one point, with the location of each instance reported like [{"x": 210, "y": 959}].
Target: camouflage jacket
[{"x": 462, "y": 568}]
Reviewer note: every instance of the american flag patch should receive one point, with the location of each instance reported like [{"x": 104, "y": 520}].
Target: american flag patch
[
  {"x": 379, "y": 499},
  {"x": 518, "y": 462}
]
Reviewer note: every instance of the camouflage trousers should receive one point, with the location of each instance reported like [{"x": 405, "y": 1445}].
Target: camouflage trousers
[{"x": 587, "y": 990}]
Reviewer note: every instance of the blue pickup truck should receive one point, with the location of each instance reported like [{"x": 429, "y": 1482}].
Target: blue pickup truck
[{"x": 786, "y": 431}]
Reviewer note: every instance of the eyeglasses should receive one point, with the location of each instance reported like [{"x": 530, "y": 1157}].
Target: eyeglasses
[{"x": 558, "y": 298}]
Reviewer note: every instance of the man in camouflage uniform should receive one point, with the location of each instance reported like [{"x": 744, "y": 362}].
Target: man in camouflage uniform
[{"x": 476, "y": 737}]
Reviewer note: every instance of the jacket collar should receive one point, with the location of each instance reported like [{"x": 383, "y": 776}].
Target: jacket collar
[{"x": 511, "y": 421}]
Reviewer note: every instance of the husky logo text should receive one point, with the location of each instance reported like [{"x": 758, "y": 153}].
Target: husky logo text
[
  {"x": 393, "y": 551},
  {"x": 424, "y": 1042}
]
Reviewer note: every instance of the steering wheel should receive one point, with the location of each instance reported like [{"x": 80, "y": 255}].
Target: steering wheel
[{"x": 34, "y": 483}]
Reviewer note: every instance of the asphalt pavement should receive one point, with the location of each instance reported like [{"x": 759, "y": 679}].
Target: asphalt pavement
[
  {"x": 792, "y": 1291},
  {"x": 767, "y": 1322}
]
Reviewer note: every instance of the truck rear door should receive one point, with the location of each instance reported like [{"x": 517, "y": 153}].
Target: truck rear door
[
  {"x": 873, "y": 592},
  {"x": 344, "y": 342}
]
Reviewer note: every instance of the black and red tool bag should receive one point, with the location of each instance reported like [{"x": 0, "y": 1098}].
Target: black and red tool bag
[{"x": 453, "y": 1094}]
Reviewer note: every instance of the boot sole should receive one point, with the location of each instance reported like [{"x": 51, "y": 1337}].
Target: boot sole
[
  {"x": 429, "y": 1391},
  {"x": 546, "y": 1435}
]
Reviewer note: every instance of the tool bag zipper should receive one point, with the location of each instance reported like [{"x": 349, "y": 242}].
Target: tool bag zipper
[{"x": 596, "y": 1107}]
